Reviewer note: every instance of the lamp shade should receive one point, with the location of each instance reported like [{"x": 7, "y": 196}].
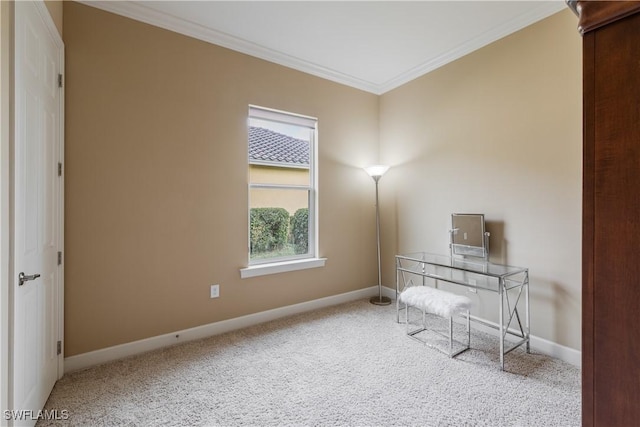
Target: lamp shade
[{"x": 376, "y": 171}]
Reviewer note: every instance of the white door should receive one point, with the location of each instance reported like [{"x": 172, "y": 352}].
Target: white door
[{"x": 36, "y": 202}]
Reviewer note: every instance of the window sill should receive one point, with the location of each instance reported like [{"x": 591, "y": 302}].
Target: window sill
[{"x": 281, "y": 267}]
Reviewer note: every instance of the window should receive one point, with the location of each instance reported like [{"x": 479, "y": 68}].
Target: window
[{"x": 282, "y": 187}]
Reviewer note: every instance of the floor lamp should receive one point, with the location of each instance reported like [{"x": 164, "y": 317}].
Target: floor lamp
[{"x": 376, "y": 173}]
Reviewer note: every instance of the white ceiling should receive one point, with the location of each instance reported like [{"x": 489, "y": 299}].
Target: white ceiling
[{"x": 371, "y": 45}]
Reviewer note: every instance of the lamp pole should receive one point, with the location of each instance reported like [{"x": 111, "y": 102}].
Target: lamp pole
[{"x": 376, "y": 173}]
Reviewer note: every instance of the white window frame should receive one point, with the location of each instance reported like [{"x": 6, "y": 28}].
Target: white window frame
[{"x": 294, "y": 262}]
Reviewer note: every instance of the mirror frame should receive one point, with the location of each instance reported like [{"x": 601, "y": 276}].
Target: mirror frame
[{"x": 477, "y": 245}]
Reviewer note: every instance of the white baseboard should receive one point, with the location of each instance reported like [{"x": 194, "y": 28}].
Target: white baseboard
[
  {"x": 388, "y": 292},
  {"x": 538, "y": 344},
  {"x": 97, "y": 357},
  {"x": 550, "y": 348}
]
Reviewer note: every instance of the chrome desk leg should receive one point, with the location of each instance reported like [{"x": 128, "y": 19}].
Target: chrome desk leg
[
  {"x": 397, "y": 288},
  {"x": 501, "y": 285},
  {"x": 527, "y": 320},
  {"x": 451, "y": 336},
  {"x": 468, "y": 329},
  {"x": 406, "y": 317}
]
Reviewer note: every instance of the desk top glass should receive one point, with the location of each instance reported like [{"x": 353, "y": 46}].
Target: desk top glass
[{"x": 465, "y": 264}]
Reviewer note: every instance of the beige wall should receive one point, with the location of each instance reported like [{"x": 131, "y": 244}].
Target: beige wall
[
  {"x": 156, "y": 177},
  {"x": 496, "y": 132},
  {"x": 156, "y": 181}
]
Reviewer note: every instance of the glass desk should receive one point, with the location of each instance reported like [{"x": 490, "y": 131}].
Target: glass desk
[{"x": 508, "y": 282}]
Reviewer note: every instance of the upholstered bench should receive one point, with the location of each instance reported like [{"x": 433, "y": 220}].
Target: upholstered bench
[{"x": 440, "y": 303}]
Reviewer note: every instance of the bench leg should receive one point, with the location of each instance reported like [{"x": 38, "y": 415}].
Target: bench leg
[
  {"x": 451, "y": 352},
  {"x": 406, "y": 318},
  {"x": 451, "y": 336},
  {"x": 468, "y": 329}
]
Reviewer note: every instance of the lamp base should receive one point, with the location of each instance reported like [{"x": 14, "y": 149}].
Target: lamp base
[{"x": 380, "y": 300}]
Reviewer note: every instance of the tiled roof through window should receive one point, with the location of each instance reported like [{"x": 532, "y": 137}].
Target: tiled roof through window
[{"x": 267, "y": 146}]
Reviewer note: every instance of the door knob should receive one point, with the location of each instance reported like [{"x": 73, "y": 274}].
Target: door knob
[{"x": 24, "y": 277}]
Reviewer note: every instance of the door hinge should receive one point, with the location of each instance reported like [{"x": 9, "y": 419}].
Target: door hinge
[
  {"x": 59, "y": 80},
  {"x": 59, "y": 347},
  {"x": 59, "y": 169},
  {"x": 59, "y": 258}
]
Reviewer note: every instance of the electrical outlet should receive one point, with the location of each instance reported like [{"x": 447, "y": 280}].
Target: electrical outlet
[
  {"x": 215, "y": 291},
  {"x": 473, "y": 283}
]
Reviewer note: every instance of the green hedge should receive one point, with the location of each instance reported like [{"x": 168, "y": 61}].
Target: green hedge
[
  {"x": 300, "y": 230},
  {"x": 269, "y": 229}
]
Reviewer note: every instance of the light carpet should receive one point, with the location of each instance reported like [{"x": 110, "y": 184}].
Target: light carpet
[{"x": 347, "y": 365}]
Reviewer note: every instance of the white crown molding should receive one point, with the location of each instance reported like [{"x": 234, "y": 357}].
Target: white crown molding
[
  {"x": 139, "y": 12},
  {"x": 542, "y": 11},
  {"x": 169, "y": 22}
]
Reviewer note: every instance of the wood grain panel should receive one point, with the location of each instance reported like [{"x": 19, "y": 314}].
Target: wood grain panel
[
  {"x": 616, "y": 222},
  {"x": 588, "y": 230}
]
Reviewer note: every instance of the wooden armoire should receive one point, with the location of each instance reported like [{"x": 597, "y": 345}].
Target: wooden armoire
[{"x": 611, "y": 212}]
